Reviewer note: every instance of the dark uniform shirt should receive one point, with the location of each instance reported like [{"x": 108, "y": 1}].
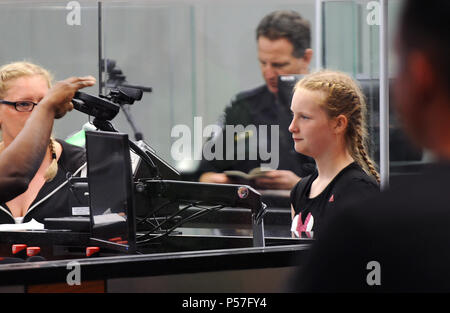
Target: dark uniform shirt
[
  {"x": 257, "y": 107},
  {"x": 57, "y": 205}
]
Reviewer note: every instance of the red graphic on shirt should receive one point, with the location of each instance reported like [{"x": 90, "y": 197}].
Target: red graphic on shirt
[
  {"x": 331, "y": 198},
  {"x": 302, "y": 227}
]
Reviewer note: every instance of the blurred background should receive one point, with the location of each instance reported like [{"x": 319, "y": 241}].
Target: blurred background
[{"x": 195, "y": 55}]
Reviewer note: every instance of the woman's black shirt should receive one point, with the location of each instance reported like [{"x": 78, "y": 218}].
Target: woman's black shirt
[{"x": 57, "y": 205}]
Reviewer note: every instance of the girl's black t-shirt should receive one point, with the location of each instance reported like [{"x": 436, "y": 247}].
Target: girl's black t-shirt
[{"x": 350, "y": 185}]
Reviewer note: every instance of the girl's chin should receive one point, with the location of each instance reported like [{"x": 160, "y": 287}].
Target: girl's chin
[
  {"x": 299, "y": 149},
  {"x": 298, "y": 145}
]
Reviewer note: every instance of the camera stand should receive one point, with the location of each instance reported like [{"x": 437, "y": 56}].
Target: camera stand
[{"x": 107, "y": 126}]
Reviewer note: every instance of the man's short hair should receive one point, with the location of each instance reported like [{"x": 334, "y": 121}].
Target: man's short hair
[
  {"x": 289, "y": 25},
  {"x": 425, "y": 27}
]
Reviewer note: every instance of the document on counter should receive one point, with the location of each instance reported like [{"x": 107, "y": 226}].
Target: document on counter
[
  {"x": 31, "y": 225},
  {"x": 109, "y": 218}
]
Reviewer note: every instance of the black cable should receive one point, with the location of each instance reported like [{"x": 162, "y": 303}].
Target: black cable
[
  {"x": 146, "y": 158},
  {"x": 193, "y": 216},
  {"x": 198, "y": 214},
  {"x": 147, "y": 221},
  {"x": 170, "y": 218},
  {"x": 148, "y": 233},
  {"x": 155, "y": 211},
  {"x": 189, "y": 218}
]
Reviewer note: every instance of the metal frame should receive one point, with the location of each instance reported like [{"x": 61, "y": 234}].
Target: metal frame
[
  {"x": 384, "y": 79},
  {"x": 384, "y": 96}
]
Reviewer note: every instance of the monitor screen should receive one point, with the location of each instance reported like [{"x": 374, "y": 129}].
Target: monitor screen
[
  {"x": 110, "y": 188},
  {"x": 286, "y": 84}
]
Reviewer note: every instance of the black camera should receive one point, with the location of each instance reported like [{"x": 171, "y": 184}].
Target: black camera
[
  {"x": 105, "y": 108},
  {"x": 100, "y": 108}
]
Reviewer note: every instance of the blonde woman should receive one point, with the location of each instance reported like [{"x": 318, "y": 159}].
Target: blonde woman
[
  {"x": 25, "y": 95},
  {"x": 329, "y": 125}
]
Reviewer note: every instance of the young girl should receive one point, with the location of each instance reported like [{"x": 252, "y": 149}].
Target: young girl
[{"x": 329, "y": 125}]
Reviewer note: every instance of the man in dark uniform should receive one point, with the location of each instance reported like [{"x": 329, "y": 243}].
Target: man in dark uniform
[
  {"x": 283, "y": 48},
  {"x": 399, "y": 241}
]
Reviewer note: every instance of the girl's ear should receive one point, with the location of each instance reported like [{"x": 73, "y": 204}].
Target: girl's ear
[{"x": 340, "y": 124}]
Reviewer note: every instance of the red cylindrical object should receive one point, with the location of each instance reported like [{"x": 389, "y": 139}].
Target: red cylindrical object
[
  {"x": 115, "y": 239},
  {"x": 19, "y": 249},
  {"x": 32, "y": 251},
  {"x": 91, "y": 251}
]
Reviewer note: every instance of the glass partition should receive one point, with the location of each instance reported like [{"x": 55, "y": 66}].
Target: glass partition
[
  {"x": 351, "y": 43},
  {"x": 195, "y": 55},
  {"x": 58, "y": 36}
]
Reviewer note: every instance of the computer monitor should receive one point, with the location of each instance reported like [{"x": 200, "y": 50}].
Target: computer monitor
[
  {"x": 286, "y": 84},
  {"x": 111, "y": 199}
]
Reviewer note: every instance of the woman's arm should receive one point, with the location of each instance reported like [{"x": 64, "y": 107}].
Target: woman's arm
[{"x": 22, "y": 158}]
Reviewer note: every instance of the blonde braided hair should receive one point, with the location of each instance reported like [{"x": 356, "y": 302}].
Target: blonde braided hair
[{"x": 343, "y": 96}]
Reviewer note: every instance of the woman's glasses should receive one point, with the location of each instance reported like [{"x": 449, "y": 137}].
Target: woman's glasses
[{"x": 21, "y": 106}]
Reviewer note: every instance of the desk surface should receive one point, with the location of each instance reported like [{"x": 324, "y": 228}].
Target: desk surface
[
  {"x": 156, "y": 263},
  {"x": 191, "y": 249}
]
